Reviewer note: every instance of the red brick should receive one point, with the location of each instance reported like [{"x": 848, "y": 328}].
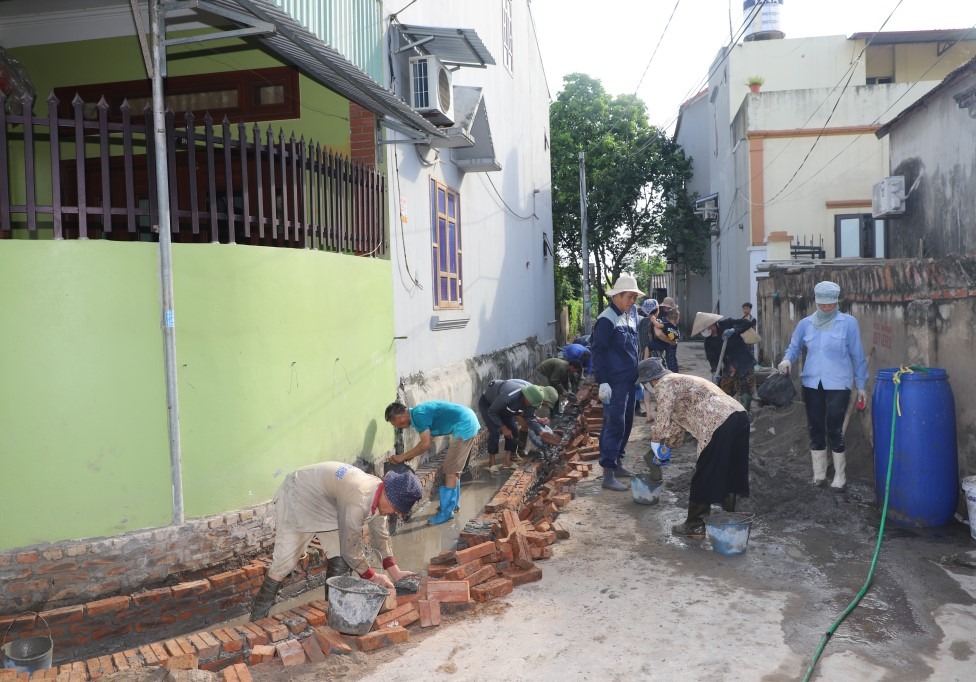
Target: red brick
[
  {"x": 148, "y": 655},
  {"x": 120, "y": 661},
  {"x": 541, "y": 552},
  {"x": 109, "y": 605},
  {"x": 290, "y": 652},
  {"x": 481, "y": 575},
  {"x": 313, "y": 651},
  {"x": 230, "y": 640},
  {"x": 444, "y": 558},
  {"x": 390, "y": 602},
  {"x": 261, "y": 653},
  {"x": 430, "y": 612},
  {"x": 229, "y": 675},
  {"x": 207, "y": 645},
  {"x": 273, "y": 629},
  {"x": 491, "y": 589},
  {"x": 385, "y": 619},
  {"x": 312, "y": 615},
  {"x": 182, "y": 662},
  {"x": 448, "y": 591},
  {"x": 537, "y": 539},
  {"x": 190, "y": 588},
  {"x": 243, "y": 674},
  {"x": 94, "y": 668},
  {"x": 227, "y": 578},
  {"x": 560, "y": 530},
  {"x": 435, "y": 571},
  {"x": 327, "y": 637},
  {"x": 152, "y": 596},
  {"x": 291, "y": 620},
  {"x": 372, "y": 641},
  {"x": 133, "y": 658},
  {"x": 464, "y": 570},
  {"x": 160, "y": 651},
  {"x": 520, "y": 550},
  {"x": 253, "y": 634},
  {"x": 321, "y": 605},
  {"x": 27, "y": 557},
  {"x": 519, "y": 576},
  {"x": 68, "y": 614},
  {"x": 463, "y": 556}
]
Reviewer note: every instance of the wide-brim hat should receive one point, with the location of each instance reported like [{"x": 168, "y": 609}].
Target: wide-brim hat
[
  {"x": 624, "y": 283},
  {"x": 703, "y": 321},
  {"x": 651, "y": 369}
]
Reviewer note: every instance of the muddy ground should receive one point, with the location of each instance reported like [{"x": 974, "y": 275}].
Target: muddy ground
[{"x": 622, "y": 599}]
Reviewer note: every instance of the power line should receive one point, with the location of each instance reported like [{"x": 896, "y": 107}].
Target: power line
[
  {"x": 663, "y": 33},
  {"x": 484, "y": 176}
]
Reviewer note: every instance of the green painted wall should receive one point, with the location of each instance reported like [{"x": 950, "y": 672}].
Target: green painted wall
[
  {"x": 285, "y": 358},
  {"x": 82, "y": 399}
]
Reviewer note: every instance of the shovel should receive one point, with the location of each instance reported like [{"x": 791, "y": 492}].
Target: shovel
[{"x": 721, "y": 356}]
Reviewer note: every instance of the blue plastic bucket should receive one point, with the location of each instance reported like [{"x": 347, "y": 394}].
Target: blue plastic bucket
[
  {"x": 924, "y": 484},
  {"x": 728, "y": 531}
]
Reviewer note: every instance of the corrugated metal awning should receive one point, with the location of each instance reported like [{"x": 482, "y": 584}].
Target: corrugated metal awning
[
  {"x": 297, "y": 45},
  {"x": 454, "y": 46}
]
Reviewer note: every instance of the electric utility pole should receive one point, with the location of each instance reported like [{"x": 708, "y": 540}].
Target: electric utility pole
[{"x": 585, "y": 246}]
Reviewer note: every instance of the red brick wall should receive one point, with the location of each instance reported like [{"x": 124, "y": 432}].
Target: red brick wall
[
  {"x": 362, "y": 135},
  {"x": 111, "y": 624},
  {"x": 71, "y": 572}
]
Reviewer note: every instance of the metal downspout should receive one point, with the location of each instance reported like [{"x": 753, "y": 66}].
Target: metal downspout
[{"x": 166, "y": 262}]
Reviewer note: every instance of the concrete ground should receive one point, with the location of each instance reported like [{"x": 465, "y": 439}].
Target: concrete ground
[{"x": 622, "y": 599}]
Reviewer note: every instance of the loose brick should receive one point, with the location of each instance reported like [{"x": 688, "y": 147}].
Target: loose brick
[
  {"x": 273, "y": 629},
  {"x": 519, "y": 576},
  {"x": 182, "y": 662},
  {"x": 313, "y": 651},
  {"x": 444, "y": 558},
  {"x": 491, "y": 589},
  {"x": 390, "y": 602},
  {"x": 463, "y": 556},
  {"x": 448, "y": 591},
  {"x": 481, "y": 575},
  {"x": 540, "y": 553},
  {"x": 372, "y": 641},
  {"x": 562, "y": 533},
  {"x": 326, "y": 636},
  {"x": 464, "y": 570},
  {"x": 295, "y": 623},
  {"x": 261, "y": 653},
  {"x": 561, "y": 500},
  {"x": 520, "y": 550},
  {"x": 206, "y": 645},
  {"x": 430, "y": 612},
  {"x": 436, "y": 571},
  {"x": 311, "y": 615},
  {"x": 385, "y": 619},
  {"x": 104, "y": 606},
  {"x": 290, "y": 652},
  {"x": 229, "y": 675},
  {"x": 537, "y": 539}
]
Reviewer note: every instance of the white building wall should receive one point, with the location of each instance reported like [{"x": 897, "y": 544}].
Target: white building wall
[{"x": 508, "y": 295}]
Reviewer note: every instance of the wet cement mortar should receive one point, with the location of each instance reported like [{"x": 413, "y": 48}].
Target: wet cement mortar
[{"x": 623, "y": 599}]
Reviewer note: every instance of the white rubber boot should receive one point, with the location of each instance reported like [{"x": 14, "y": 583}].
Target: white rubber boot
[
  {"x": 840, "y": 466},
  {"x": 819, "y": 466}
]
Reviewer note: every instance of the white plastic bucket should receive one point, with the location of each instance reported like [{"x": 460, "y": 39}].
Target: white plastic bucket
[{"x": 969, "y": 490}]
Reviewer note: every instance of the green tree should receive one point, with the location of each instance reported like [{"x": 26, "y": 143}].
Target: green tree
[{"x": 636, "y": 197}]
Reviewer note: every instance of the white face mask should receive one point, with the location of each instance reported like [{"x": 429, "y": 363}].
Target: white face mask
[{"x": 706, "y": 333}]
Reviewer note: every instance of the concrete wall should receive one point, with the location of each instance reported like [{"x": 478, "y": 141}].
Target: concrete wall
[
  {"x": 785, "y": 159},
  {"x": 507, "y": 282},
  {"x": 936, "y": 144},
  {"x": 911, "y": 312}
]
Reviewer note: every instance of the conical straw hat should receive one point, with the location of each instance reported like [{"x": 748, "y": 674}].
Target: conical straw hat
[{"x": 703, "y": 321}]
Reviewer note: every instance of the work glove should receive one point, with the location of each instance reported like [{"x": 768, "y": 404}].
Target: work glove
[
  {"x": 784, "y": 367},
  {"x": 862, "y": 399},
  {"x": 716, "y": 379},
  {"x": 605, "y": 393},
  {"x": 728, "y": 333}
]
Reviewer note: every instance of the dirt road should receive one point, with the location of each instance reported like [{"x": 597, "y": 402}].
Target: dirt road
[{"x": 622, "y": 599}]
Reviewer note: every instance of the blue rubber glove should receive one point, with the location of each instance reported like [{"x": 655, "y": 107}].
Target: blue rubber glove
[
  {"x": 663, "y": 455},
  {"x": 728, "y": 333},
  {"x": 716, "y": 379}
]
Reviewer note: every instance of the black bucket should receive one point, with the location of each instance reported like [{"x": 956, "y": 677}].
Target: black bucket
[{"x": 29, "y": 654}]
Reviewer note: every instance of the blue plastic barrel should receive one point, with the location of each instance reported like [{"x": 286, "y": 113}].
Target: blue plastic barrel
[{"x": 924, "y": 472}]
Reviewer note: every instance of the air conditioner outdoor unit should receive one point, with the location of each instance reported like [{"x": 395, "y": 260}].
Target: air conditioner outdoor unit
[
  {"x": 430, "y": 90},
  {"x": 888, "y": 197}
]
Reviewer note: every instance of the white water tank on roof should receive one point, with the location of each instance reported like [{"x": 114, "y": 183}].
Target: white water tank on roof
[{"x": 763, "y": 19}]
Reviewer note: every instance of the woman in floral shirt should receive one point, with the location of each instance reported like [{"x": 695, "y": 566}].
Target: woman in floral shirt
[{"x": 718, "y": 422}]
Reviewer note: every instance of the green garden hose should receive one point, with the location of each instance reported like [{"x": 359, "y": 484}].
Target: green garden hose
[{"x": 895, "y": 412}]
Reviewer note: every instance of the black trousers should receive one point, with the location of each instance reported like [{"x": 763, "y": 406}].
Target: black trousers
[
  {"x": 825, "y": 417},
  {"x": 723, "y": 466}
]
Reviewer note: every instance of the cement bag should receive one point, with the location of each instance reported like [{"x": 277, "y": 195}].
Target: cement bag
[{"x": 777, "y": 390}]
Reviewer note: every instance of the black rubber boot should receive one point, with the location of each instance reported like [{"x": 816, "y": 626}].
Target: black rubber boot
[
  {"x": 728, "y": 504},
  {"x": 694, "y": 525},
  {"x": 335, "y": 566},
  {"x": 264, "y": 599}
]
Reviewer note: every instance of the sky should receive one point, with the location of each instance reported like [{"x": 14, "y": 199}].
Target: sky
[{"x": 615, "y": 40}]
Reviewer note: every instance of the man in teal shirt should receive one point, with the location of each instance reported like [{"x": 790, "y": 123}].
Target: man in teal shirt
[{"x": 439, "y": 418}]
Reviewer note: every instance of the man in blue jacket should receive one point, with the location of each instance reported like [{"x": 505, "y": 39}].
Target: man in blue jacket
[
  {"x": 614, "y": 350},
  {"x": 501, "y": 404}
]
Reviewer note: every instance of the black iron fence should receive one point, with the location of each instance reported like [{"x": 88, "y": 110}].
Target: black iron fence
[{"x": 88, "y": 177}]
